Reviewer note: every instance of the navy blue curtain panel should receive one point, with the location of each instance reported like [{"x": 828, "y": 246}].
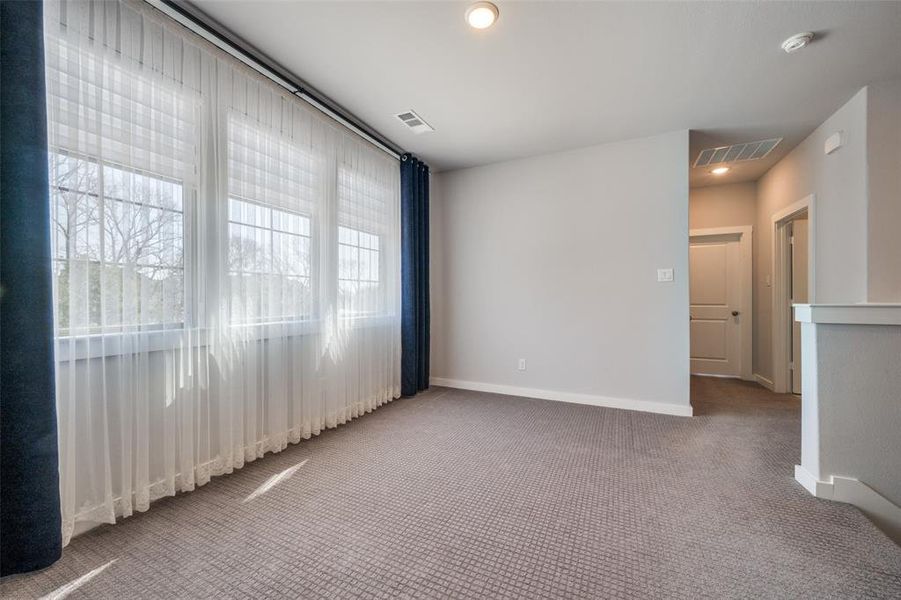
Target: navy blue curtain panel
[
  {"x": 30, "y": 533},
  {"x": 414, "y": 211}
]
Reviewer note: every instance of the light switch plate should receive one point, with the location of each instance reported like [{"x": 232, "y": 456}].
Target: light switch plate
[{"x": 664, "y": 274}]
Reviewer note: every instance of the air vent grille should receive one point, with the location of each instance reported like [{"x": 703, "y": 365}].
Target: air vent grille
[
  {"x": 416, "y": 123},
  {"x": 736, "y": 152}
]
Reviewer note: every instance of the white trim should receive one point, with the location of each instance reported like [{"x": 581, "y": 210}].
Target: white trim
[
  {"x": 809, "y": 482},
  {"x": 850, "y": 314},
  {"x": 708, "y": 231},
  {"x": 665, "y": 408},
  {"x": 792, "y": 210},
  {"x": 806, "y": 479},
  {"x": 883, "y": 512},
  {"x": 765, "y": 382},
  {"x": 81, "y": 347},
  {"x": 780, "y": 310},
  {"x": 746, "y": 245}
]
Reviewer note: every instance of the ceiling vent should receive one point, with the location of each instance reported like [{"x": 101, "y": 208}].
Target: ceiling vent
[
  {"x": 736, "y": 152},
  {"x": 416, "y": 123}
]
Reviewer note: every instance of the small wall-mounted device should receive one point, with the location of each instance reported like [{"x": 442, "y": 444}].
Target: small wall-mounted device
[
  {"x": 664, "y": 274},
  {"x": 833, "y": 143}
]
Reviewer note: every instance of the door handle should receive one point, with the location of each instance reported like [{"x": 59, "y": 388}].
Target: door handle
[{"x": 735, "y": 313}]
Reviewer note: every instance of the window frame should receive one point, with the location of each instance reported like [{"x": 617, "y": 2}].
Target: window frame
[
  {"x": 312, "y": 276},
  {"x": 379, "y": 281},
  {"x": 187, "y": 204}
]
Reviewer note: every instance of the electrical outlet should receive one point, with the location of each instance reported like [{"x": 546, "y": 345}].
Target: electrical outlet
[{"x": 522, "y": 364}]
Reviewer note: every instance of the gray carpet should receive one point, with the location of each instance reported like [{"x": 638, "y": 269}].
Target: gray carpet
[{"x": 470, "y": 495}]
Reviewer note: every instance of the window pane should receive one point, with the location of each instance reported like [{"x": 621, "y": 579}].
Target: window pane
[
  {"x": 119, "y": 255},
  {"x": 364, "y": 264},
  {"x": 249, "y": 248},
  {"x": 348, "y": 236},
  {"x": 248, "y": 213},
  {"x": 269, "y": 263},
  {"x": 160, "y": 293},
  {"x": 348, "y": 264},
  {"x": 373, "y": 265},
  {"x": 358, "y": 272},
  {"x": 290, "y": 222},
  {"x": 290, "y": 254}
]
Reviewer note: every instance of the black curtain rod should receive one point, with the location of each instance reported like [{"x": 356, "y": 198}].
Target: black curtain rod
[{"x": 240, "y": 49}]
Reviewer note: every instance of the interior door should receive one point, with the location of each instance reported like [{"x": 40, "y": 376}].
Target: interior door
[
  {"x": 798, "y": 248},
  {"x": 715, "y": 298}
]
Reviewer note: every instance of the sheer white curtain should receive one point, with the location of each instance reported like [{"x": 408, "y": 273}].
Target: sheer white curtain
[{"x": 227, "y": 261}]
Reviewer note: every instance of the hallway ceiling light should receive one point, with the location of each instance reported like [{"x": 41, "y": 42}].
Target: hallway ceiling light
[
  {"x": 481, "y": 15},
  {"x": 797, "y": 41},
  {"x": 720, "y": 170}
]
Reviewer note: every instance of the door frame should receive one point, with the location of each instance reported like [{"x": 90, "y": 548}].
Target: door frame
[
  {"x": 782, "y": 314},
  {"x": 745, "y": 238}
]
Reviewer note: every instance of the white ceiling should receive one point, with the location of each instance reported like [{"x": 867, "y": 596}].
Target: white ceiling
[{"x": 552, "y": 76}]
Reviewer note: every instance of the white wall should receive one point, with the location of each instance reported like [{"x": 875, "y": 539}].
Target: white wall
[
  {"x": 729, "y": 205},
  {"x": 859, "y": 385},
  {"x": 851, "y": 413},
  {"x": 884, "y": 209},
  {"x": 553, "y": 259},
  {"x": 839, "y": 181},
  {"x": 437, "y": 296}
]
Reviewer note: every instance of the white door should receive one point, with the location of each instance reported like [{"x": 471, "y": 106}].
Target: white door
[
  {"x": 798, "y": 294},
  {"x": 715, "y": 299}
]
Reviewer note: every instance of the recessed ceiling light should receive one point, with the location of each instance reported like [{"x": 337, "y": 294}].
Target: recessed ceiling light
[
  {"x": 797, "y": 41},
  {"x": 481, "y": 15},
  {"x": 720, "y": 170}
]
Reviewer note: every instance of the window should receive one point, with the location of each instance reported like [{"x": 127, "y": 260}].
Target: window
[
  {"x": 270, "y": 227},
  {"x": 358, "y": 272},
  {"x": 268, "y": 263},
  {"x": 364, "y": 218},
  {"x": 154, "y": 229},
  {"x": 118, "y": 247},
  {"x": 122, "y": 162}
]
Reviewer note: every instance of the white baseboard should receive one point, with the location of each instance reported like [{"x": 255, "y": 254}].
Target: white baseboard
[
  {"x": 767, "y": 383},
  {"x": 718, "y": 376},
  {"x": 879, "y": 509},
  {"x": 820, "y": 489},
  {"x": 509, "y": 390}
]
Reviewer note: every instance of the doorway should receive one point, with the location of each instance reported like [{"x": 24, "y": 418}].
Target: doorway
[
  {"x": 720, "y": 309},
  {"x": 793, "y": 271},
  {"x": 797, "y": 231}
]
